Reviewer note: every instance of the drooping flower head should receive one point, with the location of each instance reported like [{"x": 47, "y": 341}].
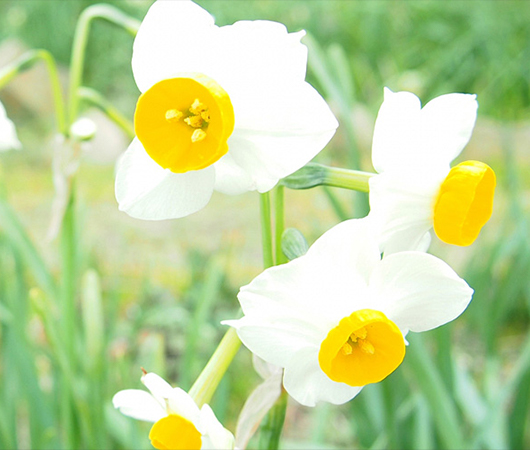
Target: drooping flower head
[
  {"x": 178, "y": 421},
  {"x": 8, "y": 134},
  {"x": 222, "y": 108},
  {"x": 416, "y": 189},
  {"x": 335, "y": 318}
]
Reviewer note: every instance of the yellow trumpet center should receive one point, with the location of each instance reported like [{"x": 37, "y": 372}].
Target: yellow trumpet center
[
  {"x": 363, "y": 348},
  {"x": 464, "y": 203},
  {"x": 184, "y": 123},
  {"x": 173, "y": 432}
]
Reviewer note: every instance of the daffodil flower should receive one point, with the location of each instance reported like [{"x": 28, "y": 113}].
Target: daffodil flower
[
  {"x": 335, "y": 318},
  {"x": 222, "y": 108},
  {"x": 178, "y": 421},
  {"x": 415, "y": 188},
  {"x": 8, "y": 134}
]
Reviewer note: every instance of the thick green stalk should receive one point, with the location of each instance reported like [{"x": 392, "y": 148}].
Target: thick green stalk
[
  {"x": 279, "y": 223},
  {"x": 266, "y": 230},
  {"x": 212, "y": 374},
  {"x": 25, "y": 62},
  {"x": 313, "y": 174},
  {"x": 271, "y": 430},
  {"x": 348, "y": 179},
  {"x": 99, "y": 11}
]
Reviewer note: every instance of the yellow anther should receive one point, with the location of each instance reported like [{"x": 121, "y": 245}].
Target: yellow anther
[
  {"x": 359, "y": 334},
  {"x": 173, "y": 115},
  {"x": 206, "y": 116},
  {"x": 347, "y": 349},
  {"x": 198, "y": 135},
  {"x": 194, "y": 121},
  {"x": 197, "y": 107},
  {"x": 366, "y": 347}
]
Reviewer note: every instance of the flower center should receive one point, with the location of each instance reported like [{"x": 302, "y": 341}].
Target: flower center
[
  {"x": 184, "y": 123},
  {"x": 363, "y": 348},
  {"x": 175, "y": 432},
  {"x": 464, "y": 202}
]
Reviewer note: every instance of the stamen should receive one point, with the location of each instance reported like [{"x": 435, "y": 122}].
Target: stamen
[
  {"x": 197, "y": 107},
  {"x": 198, "y": 135},
  {"x": 366, "y": 347},
  {"x": 173, "y": 115},
  {"x": 347, "y": 349},
  {"x": 359, "y": 334},
  {"x": 194, "y": 121}
]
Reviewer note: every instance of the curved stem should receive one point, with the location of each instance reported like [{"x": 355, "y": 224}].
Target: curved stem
[
  {"x": 25, "y": 62},
  {"x": 101, "y": 11},
  {"x": 95, "y": 98}
]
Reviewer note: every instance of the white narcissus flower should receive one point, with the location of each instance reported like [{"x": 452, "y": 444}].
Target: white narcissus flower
[
  {"x": 416, "y": 189},
  {"x": 222, "y": 108},
  {"x": 178, "y": 421},
  {"x": 8, "y": 134},
  {"x": 335, "y": 318}
]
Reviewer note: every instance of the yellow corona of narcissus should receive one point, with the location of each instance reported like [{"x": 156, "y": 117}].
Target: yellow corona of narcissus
[
  {"x": 221, "y": 108},
  {"x": 336, "y": 318},
  {"x": 415, "y": 189},
  {"x": 8, "y": 134},
  {"x": 179, "y": 424}
]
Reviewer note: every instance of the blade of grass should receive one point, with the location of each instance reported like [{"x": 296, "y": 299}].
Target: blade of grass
[
  {"x": 432, "y": 387},
  {"x": 19, "y": 238}
]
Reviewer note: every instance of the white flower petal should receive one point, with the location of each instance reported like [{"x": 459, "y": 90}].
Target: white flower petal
[
  {"x": 446, "y": 126},
  {"x": 307, "y": 384},
  {"x": 401, "y": 209},
  {"x": 280, "y": 131},
  {"x": 276, "y": 340},
  {"x": 249, "y": 56},
  {"x": 8, "y": 134},
  {"x": 348, "y": 250},
  {"x": 139, "y": 405},
  {"x": 219, "y": 437},
  {"x": 147, "y": 191},
  {"x": 174, "y": 37},
  {"x": 159, "y": 387},
  {"x": 181, "y": 403},
  {"x": 409, "y": 138},
  {"x": 231, "y": 178},
  {"x": 418, "y": 291},
  {"x": 396, "y": 141}
]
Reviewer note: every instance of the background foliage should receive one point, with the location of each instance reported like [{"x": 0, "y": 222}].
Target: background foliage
[{"x": 152, "y": 294}]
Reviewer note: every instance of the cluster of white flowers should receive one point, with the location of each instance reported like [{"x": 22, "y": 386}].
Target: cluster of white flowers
[{"x": 228, "y": 109}]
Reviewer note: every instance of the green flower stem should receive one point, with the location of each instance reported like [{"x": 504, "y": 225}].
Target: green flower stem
[
  {"x": 207, "y": 382},
  {"x": 348, "y": 179},
  {"x": 313, "y": 174},
  {"x": 25, "y": 62},
  {"x": 279, "y": 223},
  {"x": 95, "y": 98},
  {"x": 99, "y": 11},
  {"x": 271, "y": 430},
  {"x": 266, "y": 230}
]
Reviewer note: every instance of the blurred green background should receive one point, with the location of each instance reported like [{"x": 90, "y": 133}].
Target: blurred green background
[{"x": 152, "y": 294}]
